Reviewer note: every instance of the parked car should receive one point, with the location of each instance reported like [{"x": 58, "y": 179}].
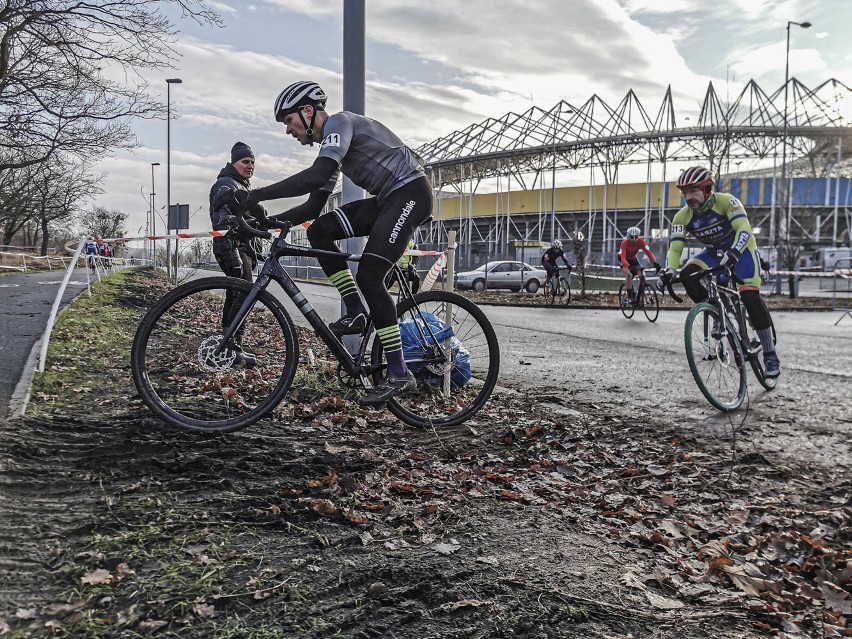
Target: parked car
[{"x": 502, "y": 274}]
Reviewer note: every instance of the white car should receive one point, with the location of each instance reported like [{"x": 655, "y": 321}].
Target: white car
[{"x": 502, "y": 274}]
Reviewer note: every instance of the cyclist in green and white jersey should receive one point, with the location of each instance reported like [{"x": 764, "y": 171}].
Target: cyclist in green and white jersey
[{"x": 719, "y": 221}]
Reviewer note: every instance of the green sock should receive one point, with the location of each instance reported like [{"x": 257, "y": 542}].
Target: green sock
[{"x": 348, "y": 292}]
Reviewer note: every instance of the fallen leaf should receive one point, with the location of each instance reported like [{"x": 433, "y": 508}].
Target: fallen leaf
[
  {"x": 836, "y": 598},
  {"x": 445, "y": 549},
  {"x": 748, "y": 584},
  {"x": 205, "y": 611},
  {"x": 96, "y": 577},
  {"x": 661, "y": 602},
  {"x": 464, "y": 603},
  {"x": 355, "y": 517}
]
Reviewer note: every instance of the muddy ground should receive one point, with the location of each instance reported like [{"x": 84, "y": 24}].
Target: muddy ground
[{"x": 545, "y": 517}]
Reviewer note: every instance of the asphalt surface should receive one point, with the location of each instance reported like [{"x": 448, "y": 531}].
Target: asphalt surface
[{"x": 25, "y": 303}]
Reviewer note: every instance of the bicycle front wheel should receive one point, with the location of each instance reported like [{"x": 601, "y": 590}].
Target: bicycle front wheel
[
  {"x": 549, "y": 297},
  {"x": 650, "y": 303},
  {"x": 187, "y": 380},
  {"x": 719, "y": 372},
  {"x": 565, "y": 287},
  {"x": 624, "y": 302},
  {"x": 451, "y": 392}
]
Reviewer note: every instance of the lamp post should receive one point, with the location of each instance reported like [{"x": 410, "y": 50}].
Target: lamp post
[
  {"x": 169, "y": 83},
  {"x": 773, "y": 230},
  {"x": 153, "y": 213}
]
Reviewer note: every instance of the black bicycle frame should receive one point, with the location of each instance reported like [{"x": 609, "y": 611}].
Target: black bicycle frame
[{"x": 272, "y": 270}]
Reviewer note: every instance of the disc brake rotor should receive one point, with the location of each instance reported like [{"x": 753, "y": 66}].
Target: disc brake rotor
[{"x": 212, "y": 361}]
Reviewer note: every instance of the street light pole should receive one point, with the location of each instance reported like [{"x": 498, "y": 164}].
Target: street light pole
[
  {"x": 153, "y": 225},
  {"x": 169, "y": 83},
  {"x": 773, "y": 230}
]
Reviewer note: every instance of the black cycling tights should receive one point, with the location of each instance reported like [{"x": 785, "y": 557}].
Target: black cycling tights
[
  {"x": 372, "y": 270},
  {"x": 755, "y": 306}
]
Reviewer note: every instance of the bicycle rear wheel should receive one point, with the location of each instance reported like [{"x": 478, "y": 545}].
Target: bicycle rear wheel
[
  {"x": 624, "y": 304},
  {"x": 721, "y": 376},
  {"x": 473, "y": 361},
  {"x": 650, "y": 303},
  {"x": 182, "y": 378}
]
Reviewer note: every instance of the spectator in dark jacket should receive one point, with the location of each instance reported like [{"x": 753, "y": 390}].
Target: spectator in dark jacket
[{"x": 234, "y": 255}]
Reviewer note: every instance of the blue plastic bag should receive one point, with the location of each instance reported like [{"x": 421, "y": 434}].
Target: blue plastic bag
[{"x": 412, "y": 347}]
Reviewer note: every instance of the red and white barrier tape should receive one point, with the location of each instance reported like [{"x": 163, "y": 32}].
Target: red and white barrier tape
[{"x": 187, "y": 236}]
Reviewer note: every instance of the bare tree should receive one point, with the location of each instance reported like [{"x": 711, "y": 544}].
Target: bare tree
[
  {"x": 38, "y": 198},
  {"x": 59, "y": 192},
  {"x": 103, "y": 223},
  {"x": 69, "y": 73}
]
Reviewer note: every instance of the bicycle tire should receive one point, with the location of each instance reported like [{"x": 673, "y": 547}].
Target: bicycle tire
[
  {"x": 626, "y": 309},
  {"x": 426, "y": 405},
  {"x": 721, "y": 379},
  {"x": 566, "y": 296},
  {"x": 549, "y": 298},
  {"x": 650, "y": 303},
  {"x": 186, "y": 383}
]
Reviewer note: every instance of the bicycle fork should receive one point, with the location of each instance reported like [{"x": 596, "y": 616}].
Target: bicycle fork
[{"x": 719, "y": 350}]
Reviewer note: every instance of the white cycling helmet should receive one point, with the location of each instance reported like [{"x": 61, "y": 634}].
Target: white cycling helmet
[
  {"x": 296, "y": 96},
  {"x": 633, "y": 232},
  {"x": 557, "y": 244}
]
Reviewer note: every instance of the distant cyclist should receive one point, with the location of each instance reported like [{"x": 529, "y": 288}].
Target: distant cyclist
[
  {"x": 91, "y": 251},
  {"x": 374, "y": 158},
  {"x": 548, "y": 260},
  {"x": 627, "y": 253},
  {"x": 719, "y": 221}
]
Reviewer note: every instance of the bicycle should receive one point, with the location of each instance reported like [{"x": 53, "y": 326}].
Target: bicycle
[
  {"x": 719, "y": 343},
  {"x": 562, "y": 293},
  {"x": 199, "y": 368},
  {"x": 646, "y": 298}
]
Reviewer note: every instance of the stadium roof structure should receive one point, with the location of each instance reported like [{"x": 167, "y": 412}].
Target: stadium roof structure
[{"x": 596, "y": 134}]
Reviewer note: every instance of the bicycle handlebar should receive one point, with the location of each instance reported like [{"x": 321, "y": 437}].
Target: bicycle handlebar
[
  {"x": 239, "y": 224},
  {"x": 702, "y": 273}
]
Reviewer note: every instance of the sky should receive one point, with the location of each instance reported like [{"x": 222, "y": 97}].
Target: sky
[{"x": 438, "y": 66}]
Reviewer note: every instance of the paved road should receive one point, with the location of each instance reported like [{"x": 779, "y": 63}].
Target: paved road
[{"x": 25, "y": 303}]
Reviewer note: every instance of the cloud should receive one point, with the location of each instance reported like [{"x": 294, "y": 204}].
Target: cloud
[{"x": 434, "y": 68}]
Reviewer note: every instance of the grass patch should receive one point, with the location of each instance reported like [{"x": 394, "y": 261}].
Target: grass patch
[{"x": 89, "y": 347}]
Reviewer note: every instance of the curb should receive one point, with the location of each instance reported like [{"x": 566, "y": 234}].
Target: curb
[
  {"x": 21, "y": 395},
  {"x": 20, "y": 398}
]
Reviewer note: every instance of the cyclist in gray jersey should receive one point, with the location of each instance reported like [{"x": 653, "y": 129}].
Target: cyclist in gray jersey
[{"x": 374, "y": 158}]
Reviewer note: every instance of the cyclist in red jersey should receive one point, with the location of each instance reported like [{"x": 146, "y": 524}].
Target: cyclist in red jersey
[{"x": 627, "y": 252}]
